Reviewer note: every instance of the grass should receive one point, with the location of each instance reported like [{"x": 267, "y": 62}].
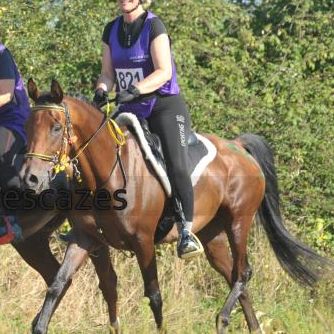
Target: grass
[{"x": 192, "y": 293}]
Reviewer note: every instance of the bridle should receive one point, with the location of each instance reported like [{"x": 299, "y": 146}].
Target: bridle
[{"x": 60, "y": 159}]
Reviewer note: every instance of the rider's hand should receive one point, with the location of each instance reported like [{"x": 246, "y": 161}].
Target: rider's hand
[
  {"x": 128, "y": 95},
  {"x": 100, "y": 97}
]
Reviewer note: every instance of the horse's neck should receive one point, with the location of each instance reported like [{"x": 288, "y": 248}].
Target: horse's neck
[{"x": 97, "y": 159}]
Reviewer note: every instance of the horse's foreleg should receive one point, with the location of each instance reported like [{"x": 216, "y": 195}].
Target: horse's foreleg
[
  {"x": 36, "y": 252},
  {"x": 108, "y": 283},
  {"x": 77, "y": 251},
  {"x": 145, "y": 252}
]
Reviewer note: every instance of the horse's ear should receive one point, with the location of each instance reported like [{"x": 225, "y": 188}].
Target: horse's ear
[
  {"x": 33, "y": 90},
  {"x": 56, "y": 91}
]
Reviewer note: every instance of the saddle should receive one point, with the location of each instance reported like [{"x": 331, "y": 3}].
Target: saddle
[{"x": 154, "y": 142}]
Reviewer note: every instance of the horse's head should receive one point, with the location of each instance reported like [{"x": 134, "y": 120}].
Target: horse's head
[{"x": 49, "y": 133}]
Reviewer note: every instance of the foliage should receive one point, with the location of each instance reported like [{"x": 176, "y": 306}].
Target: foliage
[{"x": 244, "y": 66}]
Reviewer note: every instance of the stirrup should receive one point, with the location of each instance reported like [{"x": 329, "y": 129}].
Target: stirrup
[{"x": 192, "y": 253}]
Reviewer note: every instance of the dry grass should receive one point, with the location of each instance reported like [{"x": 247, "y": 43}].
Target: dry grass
[{"x": 192, "y": 294}]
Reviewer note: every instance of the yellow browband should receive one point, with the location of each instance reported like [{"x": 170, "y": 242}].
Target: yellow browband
[{"x": 41, "y": 156}]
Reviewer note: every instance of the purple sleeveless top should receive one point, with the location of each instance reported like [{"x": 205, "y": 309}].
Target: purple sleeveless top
[
  {"x": 14, "y": 114},
  {"x": 134, "y": 64}
]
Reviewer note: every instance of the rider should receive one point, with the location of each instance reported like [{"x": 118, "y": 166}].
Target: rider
[
  {"x": 14, "y": 110},
  {"x": 137, "y": 58}
]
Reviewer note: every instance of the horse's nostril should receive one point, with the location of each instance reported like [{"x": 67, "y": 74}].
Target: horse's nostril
[{"x": 33, "y": 179}]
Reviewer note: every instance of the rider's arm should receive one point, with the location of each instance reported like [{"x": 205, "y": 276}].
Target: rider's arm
[
  {"x": 7, "y": 79},
  {"x": 106, "y": 79},
  {"x": 6, "y": 91},
  {"x": 161, "y": 57}
]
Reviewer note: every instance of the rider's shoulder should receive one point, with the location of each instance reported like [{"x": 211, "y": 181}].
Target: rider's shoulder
[
  {"x": 107, "y": 30},
  {"x": 157, "y": 27},
  {"x": 110, "y": 24},
  {"x": 6, "y": 65}
]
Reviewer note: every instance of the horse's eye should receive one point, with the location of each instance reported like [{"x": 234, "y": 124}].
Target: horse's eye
[{"x": 56, "y": 128}]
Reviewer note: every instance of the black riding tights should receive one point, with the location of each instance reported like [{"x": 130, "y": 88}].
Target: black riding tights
[{"x": 170, "y": 120}]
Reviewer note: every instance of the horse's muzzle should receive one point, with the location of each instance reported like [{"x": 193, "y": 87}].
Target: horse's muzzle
[{"x": 34, "y": 179}]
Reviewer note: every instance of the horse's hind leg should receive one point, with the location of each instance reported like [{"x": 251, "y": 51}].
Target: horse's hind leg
[
  {"x": 237, "y": 233},
  {"x": 218, "y": 255},
  {"x": 108, "y": 283},
  {"x": 77, "y": 251},
  {"x": 145, "y": 252}
]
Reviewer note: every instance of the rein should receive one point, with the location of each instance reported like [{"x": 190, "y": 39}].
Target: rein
[{"x": 60, "y": 159}]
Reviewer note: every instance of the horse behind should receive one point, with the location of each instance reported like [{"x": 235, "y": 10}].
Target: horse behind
[
  {"x": 237, "y": 185},
  {"x": 37, "y": 224}
]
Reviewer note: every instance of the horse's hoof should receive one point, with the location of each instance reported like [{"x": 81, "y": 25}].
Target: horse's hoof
[
  {"x": 34, "y": 323},
  {"x": 37, "y": 331},
  {"x": 221, "y": 324},
  {"x": 162, "y": 330},
  {"x": 115, "y": 327},
  {"x": 256, "y": 331}
]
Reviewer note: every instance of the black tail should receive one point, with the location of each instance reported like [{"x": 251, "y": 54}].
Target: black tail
[{"x": 301, "y": 262}]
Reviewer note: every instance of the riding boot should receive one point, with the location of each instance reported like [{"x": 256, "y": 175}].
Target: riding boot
[{"x": 188, "y": 244}]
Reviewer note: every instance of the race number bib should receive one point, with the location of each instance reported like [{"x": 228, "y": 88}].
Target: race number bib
[{"x": 128, "y": 76}]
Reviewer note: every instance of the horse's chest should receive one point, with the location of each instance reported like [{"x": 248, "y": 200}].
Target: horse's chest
[{"x": 115, "y": 232}]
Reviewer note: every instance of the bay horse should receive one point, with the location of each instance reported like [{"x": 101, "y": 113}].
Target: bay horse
[
  {"x": 239, "y": 184},
  {"x": 36, "y": 226}
]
